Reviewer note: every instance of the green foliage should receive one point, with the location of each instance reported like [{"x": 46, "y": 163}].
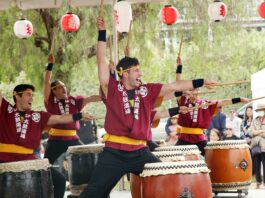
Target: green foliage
[{"x": 234, "y": 53}]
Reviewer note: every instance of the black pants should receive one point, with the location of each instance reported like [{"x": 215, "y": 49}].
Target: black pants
[
  {"x": 200, "y": 145},
  {"x": 57, "y": 147},
  {"x": 53, "y": 150},
  {"x": 257, "y": 160},
  {"x": 152, "y": 145},
  {"x": 112, "y": 165},
  {"x": 59, "y": 183}
]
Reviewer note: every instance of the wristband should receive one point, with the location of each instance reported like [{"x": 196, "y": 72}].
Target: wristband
[
  {"x": 102, "y": 35},
  {"x": 49, "y": 67},
  {"x": 236, "y": 100},
  {"x": 179, "y": 69},
  {"x": 173, "y": 111},
  {"x": 77, "y": 116},
  {"x": 197, "y": 83},
  {"x": 178, "y": 93}
]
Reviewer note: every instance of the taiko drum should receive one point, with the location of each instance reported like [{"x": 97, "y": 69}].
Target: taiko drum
[
  {"x": 176, "y": 179},
  {"x": 230, "y": 164}
]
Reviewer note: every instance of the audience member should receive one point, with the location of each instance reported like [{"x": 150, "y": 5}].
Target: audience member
[
  {"x": 246, "y": 123},
  {"x": 229, "y": 132},
  {"x": 215, "y": 135},
  {"x": 218, "y": 122},
  {"x": 258, "y": 141},
  {"x": 171, "y": 130},
  {"x": 236, "y": 122}
]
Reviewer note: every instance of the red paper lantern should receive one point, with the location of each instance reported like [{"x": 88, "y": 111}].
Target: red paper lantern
[
  {"x": 261, "y": 10},
  {"x": 70, "y": 22},
  {"x": 169, "y": 15}
]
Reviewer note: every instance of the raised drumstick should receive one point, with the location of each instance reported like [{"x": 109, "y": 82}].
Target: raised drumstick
[{"x": 232, "y": 83}]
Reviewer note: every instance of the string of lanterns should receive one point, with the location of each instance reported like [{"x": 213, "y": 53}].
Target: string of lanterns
[{"x": 169, "y": 15}]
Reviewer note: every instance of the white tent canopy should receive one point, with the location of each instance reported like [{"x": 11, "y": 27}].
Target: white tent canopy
[
  {"x": 258, "y": 86},
  {"x": 38, "y": 4}
]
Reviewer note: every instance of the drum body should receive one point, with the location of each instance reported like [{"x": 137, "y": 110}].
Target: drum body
[
  {"x": 24, "y": 179},
  {"x": 230, "y": 164},
  {"x": 190, "y": 152},
  {"x": 81, "y": 163},
  {"x": 164, "y": 156},
  {"x": 176, "y": 179}
]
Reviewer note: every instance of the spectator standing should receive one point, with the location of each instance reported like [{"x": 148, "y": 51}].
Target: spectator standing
[
  {"x": 246, "y": 123},
  {"x": 258, "y": 139}
]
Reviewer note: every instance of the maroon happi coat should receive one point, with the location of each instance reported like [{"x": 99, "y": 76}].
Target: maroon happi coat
[
  {"x": 199, "y": 118},
  {"x": 75, "y": 106},
  {"x": 36, "y": 122},
  {"x": 137, "y": 123}
]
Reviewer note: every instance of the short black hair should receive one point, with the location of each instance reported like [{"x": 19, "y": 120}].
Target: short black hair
[
  {"x": 18, "y": 90},
  {"x": 126, "y": 63}
]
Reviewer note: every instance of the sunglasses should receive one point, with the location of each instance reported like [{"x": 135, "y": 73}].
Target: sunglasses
[{"x": 229, "y": 129}]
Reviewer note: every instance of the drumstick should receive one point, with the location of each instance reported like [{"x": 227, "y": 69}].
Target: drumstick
[
  {"x": 206, "y": 92},
  {"x": 53, "y": 41},
  {"x": 129, "y": 35},
  {"x": 101, "y": 8},
  {"x": 180, "y": 45},
  {"x": 110, "y": 48},
  {"x": 232, "y": 83},
  {"x": 201, "y": 106},
  {"x": 257, "y": 98}
]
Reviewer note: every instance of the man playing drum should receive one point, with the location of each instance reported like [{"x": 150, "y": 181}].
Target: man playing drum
[
  {"x": 21, "y": 129},
  {"x": 129, "y": 106},
  {"x": 199, "y": 118},
  {"x": 58, "y": 102}
]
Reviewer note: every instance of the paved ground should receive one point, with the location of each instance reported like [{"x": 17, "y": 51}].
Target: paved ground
[{"x": 252, "y": 193}]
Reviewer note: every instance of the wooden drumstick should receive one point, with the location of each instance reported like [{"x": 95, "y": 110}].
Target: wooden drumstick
[
  {"x": 101, "y": 12},
  {"x": 206, "y": 92},
  {"x": 232, "y": 83},
  {"x": 110, "y": 49},
  {"x": 180, "y": 45},
  {"x": 53, "y": 41},
  {"x": 201, "y": 106},
  {"x": 259, "y": 98},
  {"x": 129, "y": 35}
]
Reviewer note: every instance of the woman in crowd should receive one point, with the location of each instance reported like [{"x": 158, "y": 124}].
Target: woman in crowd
[
  {"x": 215, "y": 135},
  {"x": 246, "y": 123},
  {"x": 258, "y": 140}
]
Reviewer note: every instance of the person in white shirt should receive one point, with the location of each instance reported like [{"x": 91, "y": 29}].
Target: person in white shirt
[{"x": 236, "y": 122}]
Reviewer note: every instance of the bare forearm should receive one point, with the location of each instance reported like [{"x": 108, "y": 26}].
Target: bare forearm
[
  {"x": 162, "y": 114},
  {"x": 94, "y": 98},
  {"x": 180, "y": 85},
  {"x": 46, "y": 84},
  {"x": 60, "y": 119},
  {"x": 103, "y": 69}
]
